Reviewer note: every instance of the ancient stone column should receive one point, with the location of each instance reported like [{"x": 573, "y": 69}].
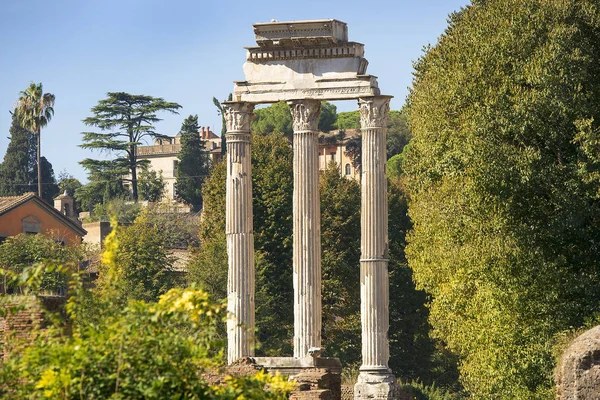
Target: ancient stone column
[
  {"x": 375, "y": 379},
  {"x": 239, "y": 231},
  {"x": 307, "y": 227}
]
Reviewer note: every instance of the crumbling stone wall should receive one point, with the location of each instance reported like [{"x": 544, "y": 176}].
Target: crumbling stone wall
[
  {"x": 317, "y": 384},
  {"x": 23, "y": 315},
  {"x": 578, "y": 373}
]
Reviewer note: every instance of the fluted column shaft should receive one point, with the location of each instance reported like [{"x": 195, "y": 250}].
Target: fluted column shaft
[
  {"x": 307, "y": 227},
  {"x": 374, "y": 236},
  {"x": 239, "y": 231}
]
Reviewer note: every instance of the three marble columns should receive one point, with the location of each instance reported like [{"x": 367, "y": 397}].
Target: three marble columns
[{"x": 307, "y": 234}]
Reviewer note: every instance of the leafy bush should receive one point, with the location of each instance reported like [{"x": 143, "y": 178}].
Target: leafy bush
[{"x": 139, "y": 351}]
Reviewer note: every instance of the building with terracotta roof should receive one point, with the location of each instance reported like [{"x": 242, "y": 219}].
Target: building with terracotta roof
[{"x": 30, "y": 214}]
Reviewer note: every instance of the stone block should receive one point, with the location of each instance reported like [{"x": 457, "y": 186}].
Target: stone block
[{"x": 578, "y": 373}]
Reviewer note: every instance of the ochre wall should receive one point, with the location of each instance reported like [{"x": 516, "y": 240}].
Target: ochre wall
[{"x": 11, "y": 223}]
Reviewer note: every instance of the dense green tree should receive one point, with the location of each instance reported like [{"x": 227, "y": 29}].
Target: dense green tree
[
  {"x": 327, "y": 117},
  {"x": 208, "y": 266},
  {"x": 278, "y": 118},
  {"x": 272, "y": 182},
  {"x": 68, "y": 183},
  {"x": 49, "y": 185},
  {"x": 398, "y": 133},
  {"x": 142, "y": 264},
  {"x": 20, "y": 252},
  {"x": 125, "y": 121},
  {"x": 340, "y": 247},
  {"x": 151, "y": 185},
  {"x": 16, "y": 170},
  {"x": 105, "y": 183},
  {"x": 348, "y": 120},
  {"x": 503, "y": 187},
  {"x": 19, "y": 172},
  {"x": 34, "y": 110},
  {"x": 275, "y": 118},
  {"x": 123, "y": 211},
  {"x": 193, "y": 167}
]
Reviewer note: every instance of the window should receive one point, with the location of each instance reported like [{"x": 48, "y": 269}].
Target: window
[
  {"x": 332, "y": 155},
  {"x": 31, "y": 225},
  {"x": 348, "y": 169},
  {"x": 175, "y": 164}
]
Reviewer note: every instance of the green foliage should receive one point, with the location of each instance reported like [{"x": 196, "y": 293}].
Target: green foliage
[
  {"x": 68, "y": 183},
  {"x": 394, "y": 167},
  {"x": 20, "y": 252},
  {"x": 49, "y": 186},
  {"x": 193, "y": 165},
  {"x": 278, "y": 118},
  {"x": 151, "y": 185},
  {"x": 503, "y": 186},
  {"x": 105, "y": 183},
  {"x": 419, "y": 391},
  {"x": 136, "y": 351},
  {"x": 327, "y": 117},
  {"x": 123, "y": 211},
  {"x": 272, "y": 181},
  {"x": 18, "y": 171},
  {"x": 179, "y": 230},
  {"x": 208, "y": 266},
  {"x": 398, "y": 133},
  {"x": 17, "y": 168},
  {"x": 340, "y": 246},
  {"x": 124, "y": 120},
  {"x": 142, "y": 264},
  {"x": 275, "y": 118},
  {"x": 33, "y": 112},
  {"x": 348, "y": 120}
]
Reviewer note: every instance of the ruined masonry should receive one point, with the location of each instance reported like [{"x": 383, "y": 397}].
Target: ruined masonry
[{"x": 303, "y": 63}]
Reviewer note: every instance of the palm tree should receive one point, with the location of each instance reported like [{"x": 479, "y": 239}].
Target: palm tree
[{"x": 34, "y": 110}]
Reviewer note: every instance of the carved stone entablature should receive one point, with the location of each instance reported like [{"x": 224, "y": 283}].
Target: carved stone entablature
[
  {"x": 238, "y": 116},
  {"x": 305, "y": 115},
  {"x": 272, "y": 92},
  {"x": 300, "y": 33},
  {"x": 341, "y": 50},
  {"x": 374, "y": 111}
]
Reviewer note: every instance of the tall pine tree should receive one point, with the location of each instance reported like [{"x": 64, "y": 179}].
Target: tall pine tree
[{"x": 193, "y": 165}]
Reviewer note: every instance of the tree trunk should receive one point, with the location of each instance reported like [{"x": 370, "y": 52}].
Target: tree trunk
[
  {"x": 39, "y": 164},
  {"x": 132, "y": 167}
]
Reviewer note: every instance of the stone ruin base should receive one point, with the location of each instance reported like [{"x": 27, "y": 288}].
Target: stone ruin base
[
  {"x": 318, "y": 378},
  {"x": 376, "y": 385},
  {"x": 578, "y": 373}
]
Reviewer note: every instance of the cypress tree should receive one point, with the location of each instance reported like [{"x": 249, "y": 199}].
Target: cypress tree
[
  {"x": 193, "y": 164},
  {"x": 16, "y": 169}
]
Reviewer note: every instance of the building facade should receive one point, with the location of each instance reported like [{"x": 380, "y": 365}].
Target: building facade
[
  {"x": 162, "y": 156},
  {"x": 30, "y": 214}
]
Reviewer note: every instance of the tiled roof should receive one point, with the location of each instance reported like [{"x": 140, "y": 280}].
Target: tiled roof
[
  {"x": 6, "y": 203},
  {"x": 11, "y": 202}
]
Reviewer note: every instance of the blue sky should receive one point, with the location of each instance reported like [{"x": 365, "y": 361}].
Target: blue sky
[{"x": 182, "y": 50}]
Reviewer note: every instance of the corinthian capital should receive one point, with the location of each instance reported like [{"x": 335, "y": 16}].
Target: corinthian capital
[
  {"x": 374, "y": 111},
  {"x": 238, "y": 116},
  {"x": 305, "y": 114}
]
